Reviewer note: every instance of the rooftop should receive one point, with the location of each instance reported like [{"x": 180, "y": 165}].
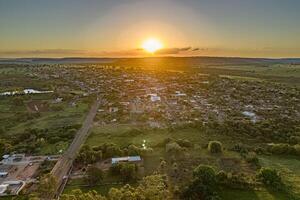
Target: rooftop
[{"x": 126, "y": 159}]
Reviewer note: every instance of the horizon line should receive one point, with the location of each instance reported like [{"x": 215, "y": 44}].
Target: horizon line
[{"x": 143, "y": 57}]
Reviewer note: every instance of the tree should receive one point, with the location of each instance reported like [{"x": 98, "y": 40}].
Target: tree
[
  {"x": 174, "y": 149},
  {"x": 270, "y": 177},
  {"x": 87, "y": 155},
  {"x": 47, "y": 186},
  {"x": 152, "y": 187},
  {"x": 79, "y": 195},
  {"x": 206, "y": 174},
  {"x": 125, "y": 193},
  {"x": 162, "y": 167},
  {"x": 128, "y": 172},
  {"x": 5, "y": 147},
  {"x": 203, "y": 185},
  {"x": 94, "y": 176},
  {"x": 215, "y": 147}
]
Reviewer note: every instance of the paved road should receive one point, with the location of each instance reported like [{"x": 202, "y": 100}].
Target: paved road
[{"x": 64, "y": 164}]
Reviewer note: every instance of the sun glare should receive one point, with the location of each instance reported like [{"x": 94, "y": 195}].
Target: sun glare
[{"x": 152, "y": 45}]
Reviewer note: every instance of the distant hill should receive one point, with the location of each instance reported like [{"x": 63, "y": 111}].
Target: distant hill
[
  {"x": 204, "y": 61},
  {"x": 58, "y": 60},
  {"x": 150, "y": 61}
]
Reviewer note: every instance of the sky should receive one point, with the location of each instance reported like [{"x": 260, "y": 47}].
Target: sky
[{"x": 117, "y": 28}]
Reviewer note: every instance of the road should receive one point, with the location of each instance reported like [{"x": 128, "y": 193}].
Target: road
[{"x": 63, "y": 166}]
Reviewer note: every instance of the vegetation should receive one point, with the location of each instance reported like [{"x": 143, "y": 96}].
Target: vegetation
[
  {"x": 94, "y": 176},
  {"x": 177, "y": 162},
  {"x": 79, "y": 195},
  {"x": 203, "y": 186},
  {"x": 151, "y": 187},
  {"x": 127, "y": 171},
  {"x": 47, "y": 187},
  {"x": 215, "y": 147},
  {"x": 271, "y": 178}
]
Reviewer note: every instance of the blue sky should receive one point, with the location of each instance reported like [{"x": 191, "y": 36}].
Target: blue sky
[{"x": 57, "y": 28}]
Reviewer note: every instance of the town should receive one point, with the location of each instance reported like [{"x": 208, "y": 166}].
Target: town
[{"x": 129, "y": 122}]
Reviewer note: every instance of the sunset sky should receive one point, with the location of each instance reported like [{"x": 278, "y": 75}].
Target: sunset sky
[{"x": 118, "y": 28}]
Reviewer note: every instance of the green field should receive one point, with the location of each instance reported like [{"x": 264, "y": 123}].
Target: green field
[
  {"x": 280, "y": 73},
  {"x": 288, "y": 166},
  {"x": 122, "y": 135},
  {"x": 109, "y": 182},
  {"x": 232, "y": 194},
  {"x": 18, "y": 113}
]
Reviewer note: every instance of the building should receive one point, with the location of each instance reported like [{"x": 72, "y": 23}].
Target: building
[
  {"x": 154, "y": 97},
  {"x": 8, "y": 159},
  {"x": 132, "y": 159},
  {"x": 3, "y": 174},
  {"x": 3, "y": 188}
]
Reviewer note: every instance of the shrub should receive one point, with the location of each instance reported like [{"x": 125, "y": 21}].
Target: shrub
[
  {"x": 215, "y": 147},
  {"x": 184, "y": 143},
  {"x": 173, "y": 148},
  {"x": 127, "y": 171},
  {"x": 94, "y": 176},
  {"x": 203, "y": 186},
  {"x": 252, "y": 158},
  {"x": 206, "y": 174},
  {"x": 270, "y": 177},
  {"x": 281, "y": 148}
]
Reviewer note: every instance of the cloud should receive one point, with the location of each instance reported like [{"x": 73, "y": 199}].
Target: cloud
[
  {"x": 172, "y": 50},
  {"x": 88, "y": 53},
  {"x": 44, "y": 53}
]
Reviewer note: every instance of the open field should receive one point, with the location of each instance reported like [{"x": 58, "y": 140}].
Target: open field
[
  {"x": 42, "y": 114},
  {"x": 288, "y": 166},
  {"x": 125, "y": 135},
  {"x": 229, "y": 194},
  {"x": 277, "y": 73},
  {"x": 281, "y": 70}
]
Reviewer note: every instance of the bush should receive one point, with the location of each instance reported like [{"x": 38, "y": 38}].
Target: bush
[
  {"x": 270, "y": 177},
  {"x": 127, "y": 171},
  {"x": 215, "y": 147},
  {"x": 203, "y": 186},
  {"x": 94, "y": 176},
  {"x": 206, "y": 174},
  {"x": 221, "y": 176},
  {"x": 285, "y": 149},
  {"x": 184, "y": 143},
  {"x": 281, "y": 148},
  {"x": 173, "y": 148},
  {"x": 252, "y": 158}
]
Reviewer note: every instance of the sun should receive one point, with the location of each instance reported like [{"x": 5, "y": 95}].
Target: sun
[{"x": 152, "y": 45}]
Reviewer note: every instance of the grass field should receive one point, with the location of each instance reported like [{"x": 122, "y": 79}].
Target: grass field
[
  {"x": 288, "y": 166},
  {"x": 232, "y": 194},
  {"x": 122, "y": 136},
  {"x": 39, "y": 112},
  {"x": 280, "y": 73},
  {"x": 101, "y": 189},
  {"x": 108, "y": 182}
]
